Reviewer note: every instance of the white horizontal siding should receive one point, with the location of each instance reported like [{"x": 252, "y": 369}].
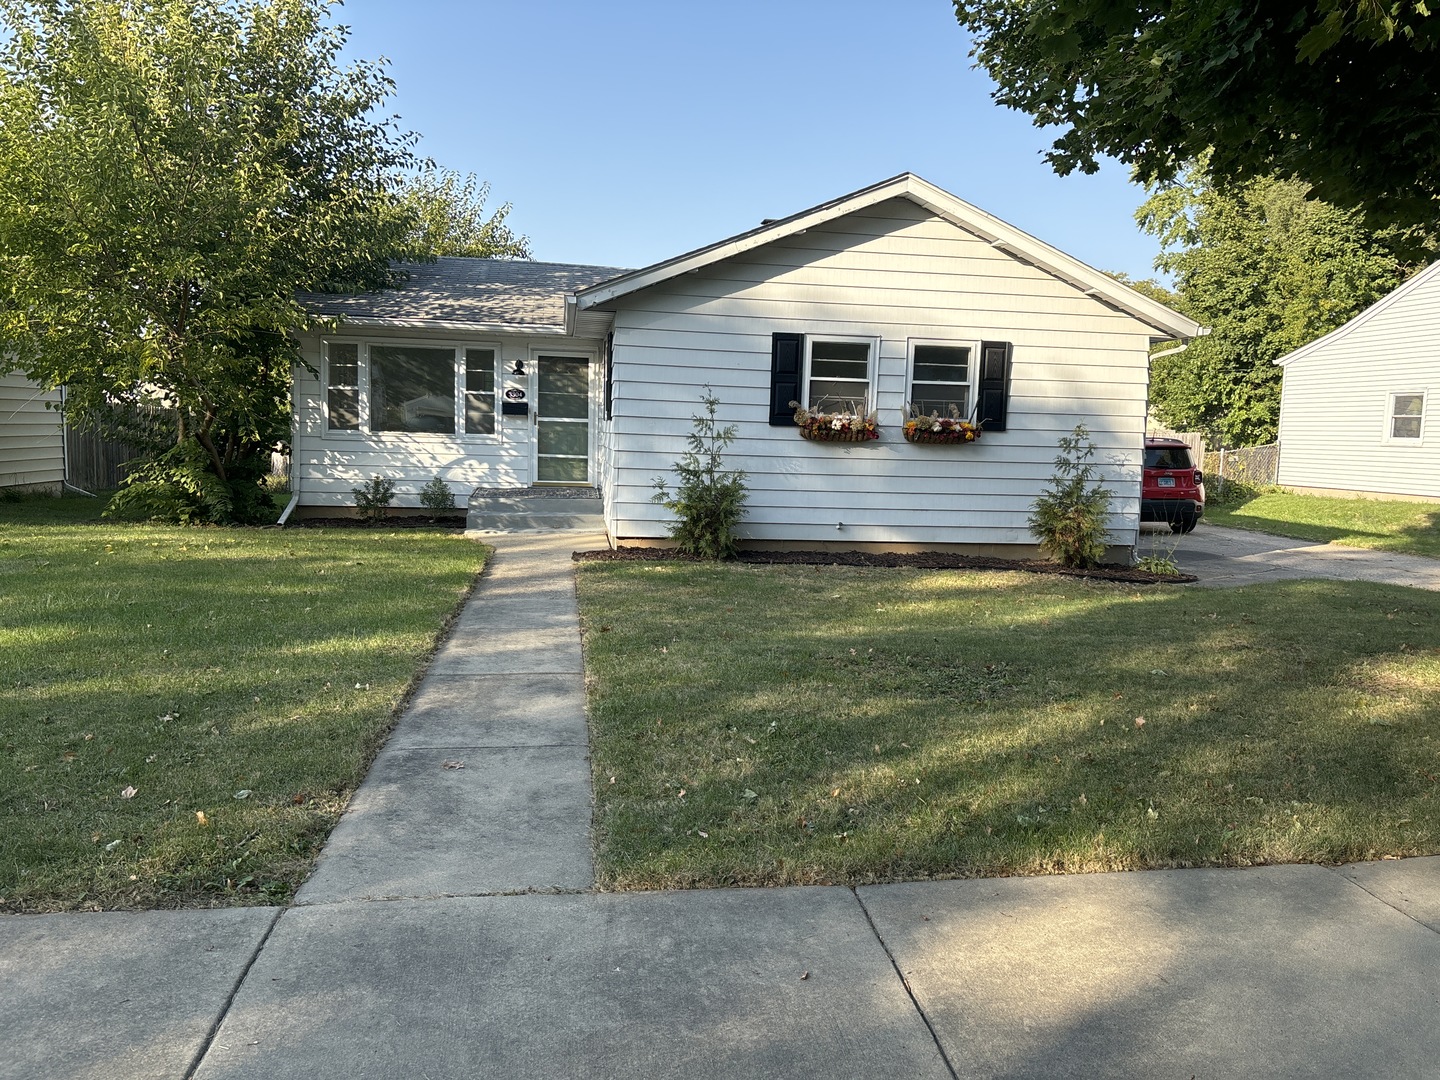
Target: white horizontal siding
[
  {"x": 1334, "y": 409},
  {"x": 893, "y": 272},
  {"x": 327, "y": 465},
  {"x": 32, "y": 439}
]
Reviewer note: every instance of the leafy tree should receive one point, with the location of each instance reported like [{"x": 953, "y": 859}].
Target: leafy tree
[
  {"x": 1267, "y": 269},
  {"x": 1339, "y": 93},
  {"x": 449, "y": 210},
  {"x": 171, "y": 173}
]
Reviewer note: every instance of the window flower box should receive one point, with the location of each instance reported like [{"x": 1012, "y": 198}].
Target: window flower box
[
  {"x": 940, "y": 430},
  {"x": 835, "y": 427}
]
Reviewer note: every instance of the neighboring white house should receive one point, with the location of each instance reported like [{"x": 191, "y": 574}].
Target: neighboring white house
[
  {"x": 896, "y": 293},
  {"x": 32, "y": 437},
  {"x": 1358, "y": 406}
]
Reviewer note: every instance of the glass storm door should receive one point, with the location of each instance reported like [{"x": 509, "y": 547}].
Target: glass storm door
[{"x": 562, "y": 420}]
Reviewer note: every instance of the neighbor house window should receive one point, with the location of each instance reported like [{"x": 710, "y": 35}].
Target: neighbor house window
[
  {"x": 480, "y": 391},
  {"x": 838, "y": 375},
  {"x": 1407, "y": 412},
  {"x": 342, "y": 386},
  {"x": 941, "y": 379}
]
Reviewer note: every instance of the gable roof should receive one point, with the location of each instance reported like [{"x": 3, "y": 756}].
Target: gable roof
[
  {"x": 468, "y": 294},
  {"x": 1169, "y": 324},
  {"x": 1364, "y": 317}
]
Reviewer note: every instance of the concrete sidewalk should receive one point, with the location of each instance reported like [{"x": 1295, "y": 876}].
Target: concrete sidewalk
[{"x": 450, "y": 930}]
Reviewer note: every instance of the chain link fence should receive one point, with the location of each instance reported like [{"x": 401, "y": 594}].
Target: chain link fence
[{"x": 1246, "y": 467}]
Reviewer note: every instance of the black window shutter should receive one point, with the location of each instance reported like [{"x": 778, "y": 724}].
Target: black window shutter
[
  {"x": 786, "y": 358},
  {"x": 994, "y": 396},
  {"x": 610, "y": 375}
]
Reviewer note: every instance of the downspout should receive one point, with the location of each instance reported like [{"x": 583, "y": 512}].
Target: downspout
[{"x": 65, "y": 453}]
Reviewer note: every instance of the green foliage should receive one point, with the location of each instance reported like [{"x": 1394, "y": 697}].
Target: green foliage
[
  {"x": 1071, "y": 513},
  {"x": 372, "y": 499},
  {"x": 709, "y": 501},
  {"x": 1159, "y": 560},
  {"x": 449, "y": 211},
  {"x": 178, "y": 486},
  {"x": 437, "y": 497},
  {"x": 1336, "y": 93},
  {"x": 172, "y": 172},
  {"x": 1267, "y": 269}
]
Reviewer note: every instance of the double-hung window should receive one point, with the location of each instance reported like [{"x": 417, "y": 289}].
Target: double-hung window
[
  {"x": 942, "y": 379},
  {"x": 479, "y": 391},
  {"x": 1407, "y": 417},
  {"x": 838, "y": 375},
  {"x": 342, "y": 386}
]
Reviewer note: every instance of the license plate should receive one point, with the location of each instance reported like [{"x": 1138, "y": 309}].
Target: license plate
[{"x": 1165, "y": 481}]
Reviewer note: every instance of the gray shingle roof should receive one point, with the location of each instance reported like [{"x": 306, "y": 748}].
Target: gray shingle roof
[{"x": 488, "y": 292}]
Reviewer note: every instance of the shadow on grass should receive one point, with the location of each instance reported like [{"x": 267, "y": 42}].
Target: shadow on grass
[{"x": 1404, "y": 527}]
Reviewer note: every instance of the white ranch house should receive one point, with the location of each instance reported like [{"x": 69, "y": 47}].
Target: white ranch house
[
  {"x": 1357, "y": 406},
  {"x": 504, "y": 375}
]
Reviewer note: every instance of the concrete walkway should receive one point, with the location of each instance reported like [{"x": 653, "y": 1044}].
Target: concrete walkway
[{"x": 450, "y": 931}]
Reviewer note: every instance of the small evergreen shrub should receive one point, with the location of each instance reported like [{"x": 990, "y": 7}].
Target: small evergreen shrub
[
  {"x": 1070, "y": 515},
  {"x": 372, "y": 499},
  {"x": 437, "y": 498},
  {"x": 709, "y": 501}
]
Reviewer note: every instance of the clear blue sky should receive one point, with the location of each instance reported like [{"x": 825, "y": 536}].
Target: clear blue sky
[{"x": 628, "y": 131}]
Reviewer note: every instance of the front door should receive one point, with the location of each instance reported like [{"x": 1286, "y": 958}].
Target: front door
[{"x": 562, "y": 420}]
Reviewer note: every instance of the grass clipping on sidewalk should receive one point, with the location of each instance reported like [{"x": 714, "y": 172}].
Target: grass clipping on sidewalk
[
  {"x": 185, "y": 712},
  {"x": 782, "y": 725}
]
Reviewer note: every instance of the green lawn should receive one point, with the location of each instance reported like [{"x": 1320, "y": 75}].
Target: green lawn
[
  {"x": 1409, "y": 527},
  {"x": 184, "y": 712},
  {"x": 783, "y": 725}
]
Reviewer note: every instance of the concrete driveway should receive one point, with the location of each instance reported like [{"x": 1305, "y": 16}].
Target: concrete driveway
[{"x": 1222, "y": 557}]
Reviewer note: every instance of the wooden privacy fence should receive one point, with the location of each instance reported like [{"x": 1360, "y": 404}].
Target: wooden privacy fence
[{"x": 94, "y": 462}]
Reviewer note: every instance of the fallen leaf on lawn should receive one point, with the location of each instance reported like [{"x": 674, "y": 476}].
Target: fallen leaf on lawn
[
  {"x": 452, "y": 763},
  {"x": 835, "y": 794},
  {"x": 1152, "y": 813},
  {"x": 201, "y": 819},
  {"x": 88, "y": 736},
  {"x": 69, "y": 755},
  {"x": 702, "y": 834},
  {"x": 244, "y": 793},
  {"x": 112, "y": 845},
  {"x": 682, "y": 794},
  {"x": 1157, "y": 671},
  {"x": 151, "y": 758},
  {"x": 127, "y": 793},
  {"x": 748, "y": 794},
  {"x": 612, "y": 779},
  {"x": 31, "y": 768},
  {"x": 1139, "y": 721}
]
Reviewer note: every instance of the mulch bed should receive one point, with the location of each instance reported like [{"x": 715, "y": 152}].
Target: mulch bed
[
  {"x": 922, "y": 560},
  {"x": 407, "y": 521}
]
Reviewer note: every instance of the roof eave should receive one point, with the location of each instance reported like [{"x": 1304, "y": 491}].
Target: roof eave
[{"x": 455, "y": 325}]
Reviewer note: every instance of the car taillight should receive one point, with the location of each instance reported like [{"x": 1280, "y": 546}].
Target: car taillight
[{"x": 1199, "y": 477}]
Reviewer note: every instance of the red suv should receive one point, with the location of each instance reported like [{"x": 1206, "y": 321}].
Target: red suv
[{"x": 1171, "y": 489}]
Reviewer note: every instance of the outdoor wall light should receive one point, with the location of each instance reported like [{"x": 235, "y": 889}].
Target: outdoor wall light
[{"x": 519, "y": 368}]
